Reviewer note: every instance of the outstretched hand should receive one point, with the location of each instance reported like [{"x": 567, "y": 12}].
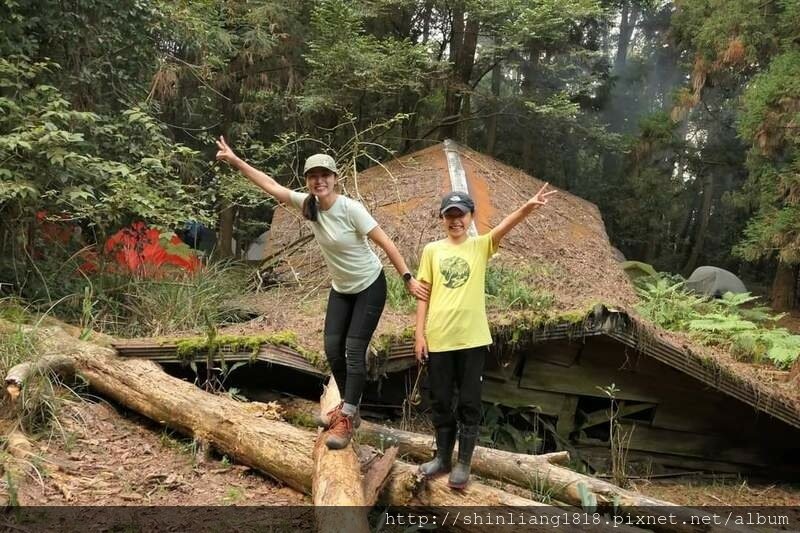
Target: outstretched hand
[
  {"x": 540, "y": 198},
  {"x": 225, "y": 153}
]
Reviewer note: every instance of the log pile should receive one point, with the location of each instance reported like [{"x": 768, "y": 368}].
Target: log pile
[{"x": 250, "y": 433}]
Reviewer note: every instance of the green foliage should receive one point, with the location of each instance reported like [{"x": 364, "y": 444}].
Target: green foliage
[
  {"x": 724, "y": 322},
  {"x": 397, "y": 295},
  {"x": 348, "y": 63},
  {"x": 510, "y": 288},
  {"x": 748, "y": 49},
  {"x": 501, "y": 429},
  {"x": 83, "y": 166},
  {"x": 770, "y": 111},
  {"x": 665, "y": 302}
]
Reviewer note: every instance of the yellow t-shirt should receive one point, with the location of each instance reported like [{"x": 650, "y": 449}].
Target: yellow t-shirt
[{"x": 457, "y": 307}]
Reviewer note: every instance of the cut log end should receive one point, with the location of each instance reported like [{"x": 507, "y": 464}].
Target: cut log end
[{"x": 13, "y": 390}]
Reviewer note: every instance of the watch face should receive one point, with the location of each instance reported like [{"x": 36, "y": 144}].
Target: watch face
[{"x": 407, "y": 276}]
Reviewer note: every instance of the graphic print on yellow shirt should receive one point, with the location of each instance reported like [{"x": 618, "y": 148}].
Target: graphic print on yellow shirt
[{"x": 457, "y": 307}]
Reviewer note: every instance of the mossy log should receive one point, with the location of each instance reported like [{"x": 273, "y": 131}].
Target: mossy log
[{"x": 244, "y": 432}]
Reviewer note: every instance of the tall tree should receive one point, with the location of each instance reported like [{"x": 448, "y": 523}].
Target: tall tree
[{"x": 753, "y": 44}]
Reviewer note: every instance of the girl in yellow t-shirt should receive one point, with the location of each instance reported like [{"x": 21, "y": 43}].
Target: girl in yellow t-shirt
[{"x": 452, "y": 332}]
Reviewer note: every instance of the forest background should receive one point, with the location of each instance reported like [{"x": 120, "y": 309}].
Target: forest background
[{"x": 679, "y": 119}]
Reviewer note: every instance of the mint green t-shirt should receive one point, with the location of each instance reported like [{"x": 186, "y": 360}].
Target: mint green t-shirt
[{"x": 341, "y": 233}]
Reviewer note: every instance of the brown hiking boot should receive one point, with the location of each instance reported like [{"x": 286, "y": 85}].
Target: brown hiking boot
[
  {"x": 325, "y": 420},
  {"x": 340, "y": 432}
]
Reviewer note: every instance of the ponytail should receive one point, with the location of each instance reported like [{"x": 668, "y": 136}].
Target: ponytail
[{"x": 310, "y": 208}]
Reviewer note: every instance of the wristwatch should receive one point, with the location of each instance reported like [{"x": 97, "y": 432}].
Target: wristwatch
[{"x": 407, "y": 277}]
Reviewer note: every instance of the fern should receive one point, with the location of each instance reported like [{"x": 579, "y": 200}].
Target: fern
[{"x": 718, "y": 322}]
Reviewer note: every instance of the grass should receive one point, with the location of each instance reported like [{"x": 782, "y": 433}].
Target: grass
[
  {"x": 184, "y": 301},
  {"x": 542, "y": 490},
  {"x": 233, "y": 495},
  {"x": 132, "y": 305},
  {"x": 42, "y": 399},
  {"x": 510, "y": 288},
  {"x": 397, "y": 296}
]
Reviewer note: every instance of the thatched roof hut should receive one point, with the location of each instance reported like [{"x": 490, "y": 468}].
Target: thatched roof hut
[
  {"x": 687, "y": 405},
  {"x": 580, "y": 292}
]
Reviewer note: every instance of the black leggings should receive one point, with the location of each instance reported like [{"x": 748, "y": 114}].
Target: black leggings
[{"x": 350, "y": 321}]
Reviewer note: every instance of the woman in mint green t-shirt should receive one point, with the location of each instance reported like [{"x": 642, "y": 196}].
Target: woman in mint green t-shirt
[{"x": 341, "y": 226}]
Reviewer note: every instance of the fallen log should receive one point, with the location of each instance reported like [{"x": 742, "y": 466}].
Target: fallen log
[
  {"x": 245, "y": 432},
  {"x": 520, "y": 469},
  {"x": 528, "y": 471},
  {"x": 50, "y": 364},
  {"x": 532, "y": 471},
  {"x": 339, "y": 489},
  {"x": 17, "y": 465}
]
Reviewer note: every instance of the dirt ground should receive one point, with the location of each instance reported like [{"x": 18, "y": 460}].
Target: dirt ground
[
  {"x": 791, "y": 321},
  {"x": 111, "y": 457},
  {"x": 722, "y": 491}
]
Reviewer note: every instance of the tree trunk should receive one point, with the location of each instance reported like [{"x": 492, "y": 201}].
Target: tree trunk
[
  {"x": 626, "y": 26},
  {"x": 491, "y": 122},
  {"x": 463, "y": 43},
  {"x": 784, "y": 287},
  {"x": 225, "y": 235},
  {"x": 705, "y": 215},
  {"x": 530, "y": 69}
]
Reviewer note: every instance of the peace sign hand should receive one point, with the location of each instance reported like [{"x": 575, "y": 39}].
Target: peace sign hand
[
  {"x": 541, "y": 197},
  {"x": 225, "y": 153}
]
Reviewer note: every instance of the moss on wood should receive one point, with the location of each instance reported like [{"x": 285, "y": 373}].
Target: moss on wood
[{"x": 190, "y": 347}]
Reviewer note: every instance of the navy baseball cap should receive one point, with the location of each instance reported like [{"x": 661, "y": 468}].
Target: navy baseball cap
[{"x": 459, "y": 200}]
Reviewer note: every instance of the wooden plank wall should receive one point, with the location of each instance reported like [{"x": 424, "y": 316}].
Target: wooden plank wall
[{"x": 670, "y": 414}]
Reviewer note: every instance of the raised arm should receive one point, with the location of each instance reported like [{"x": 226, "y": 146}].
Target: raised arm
[
  {"x": 272, "y": 187},
  {"x": 379, "y": 237},
  {"x": 539, "y": 199}
]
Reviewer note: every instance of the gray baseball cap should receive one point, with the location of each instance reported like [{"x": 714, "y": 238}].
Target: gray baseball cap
[
  {"x": 459, "y": 200},
  {"x": 320, "y": 160}
]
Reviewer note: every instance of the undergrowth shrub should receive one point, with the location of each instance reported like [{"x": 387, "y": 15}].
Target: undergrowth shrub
[
  {"x": 510, "y": 288},
  {"x": 132, "y": 303},
  {"x": 748, "y": 332}
]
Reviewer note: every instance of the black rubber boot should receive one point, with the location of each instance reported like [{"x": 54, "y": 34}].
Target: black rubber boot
[
  {"x": 459, "y": 476},
  {"x": 441, "y": 463}
]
